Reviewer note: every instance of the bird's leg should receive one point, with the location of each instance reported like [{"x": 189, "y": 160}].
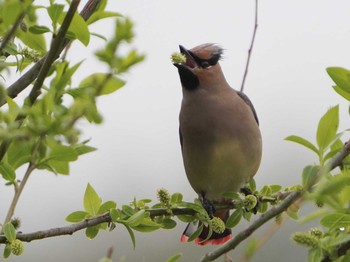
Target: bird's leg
[{"x": 207, "y": 204}]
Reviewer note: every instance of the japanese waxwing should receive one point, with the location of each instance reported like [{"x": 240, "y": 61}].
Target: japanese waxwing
[{"x": 219, "y": 134}]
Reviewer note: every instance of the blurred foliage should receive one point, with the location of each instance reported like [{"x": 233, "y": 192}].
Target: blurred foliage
[
  {"x": 46, "y": 134},
  {"x": 330, "y": 190}
]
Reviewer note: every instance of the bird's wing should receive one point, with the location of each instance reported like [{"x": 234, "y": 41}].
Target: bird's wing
[
  {"x": 249, "y": 103},
  {"x": 180, "y": 137}
]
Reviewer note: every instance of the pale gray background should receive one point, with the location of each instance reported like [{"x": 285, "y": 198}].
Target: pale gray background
[{"x": 138, "y": 143}]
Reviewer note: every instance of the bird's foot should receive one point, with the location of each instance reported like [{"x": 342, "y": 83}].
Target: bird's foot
[{"x": 208, "y": 205}]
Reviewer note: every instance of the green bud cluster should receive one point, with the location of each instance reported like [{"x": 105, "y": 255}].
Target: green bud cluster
[
  {"x": 305, "y": 239},
  {"x": 217, "y": 225},
  {"x": 17, "y": 247},
  {"x": 164, "y": 197},
  {"x": 178, "y": 58},
  {"x": 250, "y": 202}
]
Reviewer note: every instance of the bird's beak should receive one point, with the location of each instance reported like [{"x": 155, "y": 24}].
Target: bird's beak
[{"x": 190, "y": 60}]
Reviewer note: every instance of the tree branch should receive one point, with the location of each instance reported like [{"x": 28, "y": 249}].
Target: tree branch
[
  {"x": 336, "y": 161},
  {"x": 24, "y": 81},
  {"x": 233, "y": 243},
  {"x": 251, "y": 46},
  {"x": 52, "y": 55}
]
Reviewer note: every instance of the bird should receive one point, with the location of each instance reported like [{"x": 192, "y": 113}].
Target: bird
[{"x": 219, "y": 132}]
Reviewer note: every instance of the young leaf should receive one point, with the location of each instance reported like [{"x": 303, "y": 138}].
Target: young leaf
[
  {"x": 327, "y": 128},
  {"x": 341, "y": 92},
  {"x": 54, "y": 12},
  {"x": 136, "y": 218},
  {"x": 7, "y": 250},
  {"x": 131, "y": 234},
  {"x": 78, "y": 27},
  {"x": 234, "y": 218},
  {"x": 9, "y": 231},
  {"x": 196, "y": 233},
  {"x": 101, "y": 15},
  {"x": 336, "y": 220},
  {"x": 303, "y": 142},
  {"x": 168, "y": 223},
  {"x": 309, "y": 176},
  {"x": 91, "y": 232},
  {"x": 63, "y": 153},
  {"x": 92, "y": 201},
  {"x": 341, "y": 77},
  {"x": 106, "y": 206},
  {"x": 174, "y": 258},
  {"x": 104, "y": 83},
  {"x": 39, "y": 29},
  {"x": 7, "y": 172},
  {"x": 176, "y": 198},
  {"x": 76, "y": 216}
]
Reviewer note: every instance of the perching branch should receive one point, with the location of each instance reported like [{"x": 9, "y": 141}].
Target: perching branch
[
  {"x": 233, "y": 243},
  {"x": 24, "y": 81},
  {"x": 251, "y": 46},
  {"x": 336, "y": 161}
]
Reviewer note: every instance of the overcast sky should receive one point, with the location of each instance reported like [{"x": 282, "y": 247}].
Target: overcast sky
[{"x": 138, "y": 145}]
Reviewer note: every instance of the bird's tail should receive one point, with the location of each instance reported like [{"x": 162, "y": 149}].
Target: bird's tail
[{"x": 215, "y": 238}]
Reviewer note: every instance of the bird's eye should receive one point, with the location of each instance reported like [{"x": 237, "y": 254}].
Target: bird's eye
[{"x": 205, "y": 64}]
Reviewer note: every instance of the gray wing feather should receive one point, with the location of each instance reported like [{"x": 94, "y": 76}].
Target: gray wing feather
[{"x": 249, "y": 103}]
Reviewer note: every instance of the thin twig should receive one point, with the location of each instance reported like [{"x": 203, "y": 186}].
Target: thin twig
[
  {"x": 53, "y": 52},
  {"x": 12, "y": 31},
  {"x": 251, "y": 46},
  {"x": 20, "y": 187},
  {"x": 234, "y": 242},
  {"x": 27, "y": 78},
  {"x": 274, "y": 211}
]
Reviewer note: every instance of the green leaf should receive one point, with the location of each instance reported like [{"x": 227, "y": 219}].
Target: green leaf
[
  {"x": 9, "y": 231},
  {"x": 196, "y": 233},
  {"x": 55, "y": 12},
  {"x": 33, "y": 41},
  {"x": 106, "y": 206},
  {"x": 262, "y": 208},
  {"x": 341, "y": 92},
  {"x": 115, "y": 215},
  {"x": 174, "y": 258},
  {"x": 176, "y": 198},
  {"x": 78, "y": 27},
  {"x": 136, "y": 218},
  {"x": 327, "y": 128},
  {"x": 131, "y": 234},
  {"x": 39, "y": 29},
  {"x": 315, "y": 255},
  {"x": 101, "y": 15},
  {"x": 234, "y": 218},
  {"x": 186, "y": 218},
  {"x": 266, "y": 190},
  {"x": 275, "y": 188},
  {"x": 310, "y": 176},
  {"x": 147, "y": 225},
  {"x": 84, "y": 149},
  {"x": 76, "y": 216},
  {"x": 336, "y": 220},
  {"x": 58, "y": 167},
  {"x": 341, "y": 77},
  {"x": 7, "y": 250},
  {"x": 103, "y": 83},
  {"x": 62, "y": 153},
  {"x": 168, "y": 223},
  {"x": 232, "y": 195},
  {"x": 92, "y": 201},
  {"x": 303, "y": 142},
  {"x": 91, "y": 232},
  {"x": 7, "y": 172}
]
